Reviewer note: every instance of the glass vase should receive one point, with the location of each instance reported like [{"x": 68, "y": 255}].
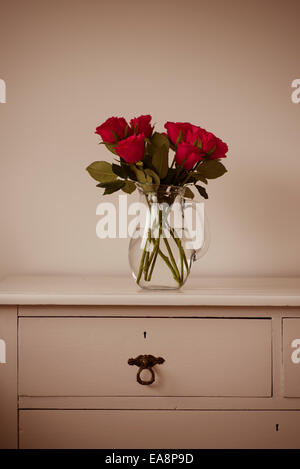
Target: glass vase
[{"x": 170, "y": 234}]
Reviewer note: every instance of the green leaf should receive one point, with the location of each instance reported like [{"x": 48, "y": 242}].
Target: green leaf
[
  {"x": 119, "y": 171},
  {"x": 111, "y": 187},
  {"x": 139, "y": 173},
  {"x": 147, "y": 160},
  {"x": 198, "y": 177},
  {"x": 128, "y": 170},
  {"x": 202, "y": 179},
  {"x": 158, "y": 149},
  {"x": 170, "y": 176},
  {"x": 101, "y": 171},
  {"x": 154, "y": 177},
  {"x": 211, "y": 169},
  {"x": 202, "y": 191},
  {"x": 160, "y": 160},
  {"x": 158, "y": 140},
  {"x": 179, "y": 173},
  {"x": 129, "y": 187},
  {"x": 189, "y": 193},
  {"x": 111, "y": 147}
]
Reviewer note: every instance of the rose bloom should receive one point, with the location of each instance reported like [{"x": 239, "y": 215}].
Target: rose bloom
[
  {"x": 112, "y": 130},
  {"x": 188, "y": 153},
  {"x": 175, "y": 128},
  {"x": 210, "y": 145},
  {"x": 132, "y": 148},
  {"x": 195, "y": 143},
  {"x": 141, "y": 125}
]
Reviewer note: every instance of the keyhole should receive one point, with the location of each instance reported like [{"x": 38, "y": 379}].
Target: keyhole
[
  {"x": 145, "y": 334},
  {"x": 277, "y": 427}
]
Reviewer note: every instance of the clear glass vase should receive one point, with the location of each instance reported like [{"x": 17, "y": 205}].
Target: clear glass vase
[{"x": 169, "y": 235}]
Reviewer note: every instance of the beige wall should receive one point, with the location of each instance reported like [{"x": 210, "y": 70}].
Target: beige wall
[{"x": 226, "y": 65}]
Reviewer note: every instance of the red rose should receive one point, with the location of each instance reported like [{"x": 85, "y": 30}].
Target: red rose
[
  {"x": 141, "y": 125},
  {"x": 210, "y": 145},
  {"x": 220, "y": 151},
  {"x": 112, "y": 130},
  {"x": 188, "y": 153},
  {"x": 132, "y": 148},
  {"x": 175, "y": 128}
]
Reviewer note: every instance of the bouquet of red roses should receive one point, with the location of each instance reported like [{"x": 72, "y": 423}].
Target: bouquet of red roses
[
  {"x": 141, "y": 160},
  {"x": 142, "y": 155}
]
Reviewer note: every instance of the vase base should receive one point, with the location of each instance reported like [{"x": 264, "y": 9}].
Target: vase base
[{"x": 158, "y": 287}]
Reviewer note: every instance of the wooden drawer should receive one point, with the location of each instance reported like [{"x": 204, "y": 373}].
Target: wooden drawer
[
  {"x": 8, "y": 377},
  {"x": 158, "y": 429},
  {"x": 291, "y": 357},
  {"x": 88, "y": 356}
]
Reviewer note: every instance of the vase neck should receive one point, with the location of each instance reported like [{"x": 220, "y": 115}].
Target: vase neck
[{"x": 162, "y": 195}]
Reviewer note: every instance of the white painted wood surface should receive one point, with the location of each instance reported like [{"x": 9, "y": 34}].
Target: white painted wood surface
[
  {"x": 245, "y": 383},
  {"x": 291, "y": 357},
  {"x": 93, "y": 290},
  {"x": 158, "y": 429},
  {"x": 88, "y": 356}
]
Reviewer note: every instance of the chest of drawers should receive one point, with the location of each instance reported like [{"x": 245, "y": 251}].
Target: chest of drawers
[{"x": 229, "y": 375}]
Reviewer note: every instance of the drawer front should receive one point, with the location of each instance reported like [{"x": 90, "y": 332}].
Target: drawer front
[
  {"x": 158, "y": 429},
  {"x": 291, "y": 357},
  {"x": 8, "y": 378},
  {"x": 88, "y": 356}
]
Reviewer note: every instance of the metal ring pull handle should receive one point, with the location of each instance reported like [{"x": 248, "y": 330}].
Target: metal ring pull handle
[{"x": 145, "y": 362}]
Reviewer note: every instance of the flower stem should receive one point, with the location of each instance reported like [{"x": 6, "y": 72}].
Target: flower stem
[
  {"x": 148, "y": 260},
  {"x": 153, "y": 255},
  {"x": 153, "y": 263},
  {"x": 178, "y": 242},
  {"x": 141, "y": 265},
  {"x": 172, "y": 257},
  {"x": 181, "y": 265},
  {"x": 189, "y": 174},
  {"x": 165, "y": 258}
]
